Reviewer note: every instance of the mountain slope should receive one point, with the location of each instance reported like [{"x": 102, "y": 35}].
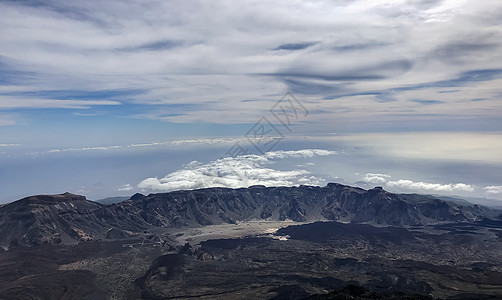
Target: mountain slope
[
  {"x": 69, "y": 218},
  {"x": 54, "y": 219},
  {"x": 304, "y": 203}
]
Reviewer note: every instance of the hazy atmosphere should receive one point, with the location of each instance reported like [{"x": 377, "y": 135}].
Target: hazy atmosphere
[{"x": 111, "y": 98}]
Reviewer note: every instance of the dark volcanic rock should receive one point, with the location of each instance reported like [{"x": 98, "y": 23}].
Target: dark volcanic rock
[
  {"x": 305, "y": 203},
  {"x": 53, "y": 219},
  {"x": 325, "y": 231},
  {"x": 137, "y": 196},
  {"x": 359, "y": 293},
  {"x": 69, "y": 218},
  {"x": 55, "y": 285}
]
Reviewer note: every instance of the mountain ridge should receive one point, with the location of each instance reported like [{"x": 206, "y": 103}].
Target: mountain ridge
[{"x": 68, "y": 218}]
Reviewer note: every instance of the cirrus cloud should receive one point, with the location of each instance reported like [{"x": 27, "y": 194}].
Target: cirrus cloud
[{"x": 392, "y": 60}]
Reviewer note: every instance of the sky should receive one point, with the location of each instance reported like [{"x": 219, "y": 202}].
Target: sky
[{"x": 109, "y": 98}]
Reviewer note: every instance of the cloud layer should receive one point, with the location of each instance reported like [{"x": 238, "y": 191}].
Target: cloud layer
[
  {"x": 240, "y": 171},
  {"x": 493, "y": 189},
  {"x": 425, "y": 186},
  {"x": 227, "y": 62},
  {"x": 94, "y": 78},
  {"x": 419, "y": 186},
  {"x": 376, "y": 178}
]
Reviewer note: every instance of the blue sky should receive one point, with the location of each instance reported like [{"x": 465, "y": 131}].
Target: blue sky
[{"x": 406, "y": 94}]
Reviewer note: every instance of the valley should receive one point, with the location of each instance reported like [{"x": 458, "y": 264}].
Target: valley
[{"x": 212, "y": 244}]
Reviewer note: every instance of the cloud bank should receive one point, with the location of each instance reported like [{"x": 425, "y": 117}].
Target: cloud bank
[
  {"x": 424, "y": 186},
  {"x": 406, "y": 184},
  {"x": 235, "y": 172},
  {"x": 493, "y": 189},
  {"x": 144, "y": 145},
  {"x": 376, "y": 178}
]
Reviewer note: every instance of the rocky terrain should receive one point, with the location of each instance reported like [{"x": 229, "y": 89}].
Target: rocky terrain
[
  {"x": 348, "y": 243},
  {"x": 70, "y": 218},
  {"x": 43, "y": 219},
  {"x": 459, "y": 261}
]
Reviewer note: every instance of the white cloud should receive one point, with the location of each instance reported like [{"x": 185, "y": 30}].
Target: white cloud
[
  {"x": 493, "y": 189},
  {"x": 424, "y": 186},
  {"x": 306, "y": 164},
  {"x": 405, "y": 184},
  {"x": 306, "y": 153},
  {"x": 125, "y": 188},
  {"x": 153, "y": 144},
  {"x": 84, "y": 149},
  {"x": 376, "y": 177},
  {"x": 12, "y": 102},
  {"x": 240, "y": 171}
]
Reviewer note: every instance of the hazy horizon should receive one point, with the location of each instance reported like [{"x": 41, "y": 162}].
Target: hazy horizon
[{"x": 106, "y": 98}]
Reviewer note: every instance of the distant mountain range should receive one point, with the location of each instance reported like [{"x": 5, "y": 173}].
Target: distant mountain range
[
  {"x": 492, "y": 203},
  {"x": 112, "y": 200},
  {"x": 68, "y": 218}
]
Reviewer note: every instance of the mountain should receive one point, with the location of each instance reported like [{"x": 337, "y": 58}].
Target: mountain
[
  {"x": 492, "y": 203},
  {"x": 69, "y": 218},
  {"x": 304, "y": 203},
  {"x": 112, "y": 200},
  {"x": 50, "y": 219},
  {"x": 377, "y": 245}
]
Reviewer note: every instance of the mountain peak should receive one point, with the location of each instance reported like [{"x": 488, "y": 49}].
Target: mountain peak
[
  {"x": 377, "y": 189},
  {"x": 51, "y": 199},
  {"x": 69, "y": 218},
  {"x": 137, "y": 196}
]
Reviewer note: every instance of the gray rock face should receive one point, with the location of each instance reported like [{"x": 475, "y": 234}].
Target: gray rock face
[
  {"x": 305, "y": 203},
  {"x": 52, "y": 219},
  {"x": 69, "y": 218}
]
